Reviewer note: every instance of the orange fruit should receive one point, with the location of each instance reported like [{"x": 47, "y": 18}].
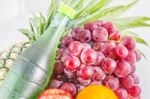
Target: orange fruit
[{"x": 96, "y": 92}]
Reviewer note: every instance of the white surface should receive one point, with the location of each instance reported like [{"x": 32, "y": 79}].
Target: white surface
[{"x": 14, "y": 15}]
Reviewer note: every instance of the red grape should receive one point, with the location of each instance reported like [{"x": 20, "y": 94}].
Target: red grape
[
  {"x": 75, "y": 32},
  {"x": 108, "y": 49},
  {"x": 110, "y": 27},
  {"x": 129, "y": 42},
  {"x": 59, "y": 67},
  {"x": 100, "y": 57},
  {"x": 84, "y": 35},
  {"x": 115, "y": 36},
  {"x": 65, "y": 53},
  {"x": 75, "y": 48},
  {"x": 134, "y": 91},
  {"x": 121, "y": 51},
  {"x": 109, "y": 65},
  {"x": 97, "y": 46},
  {"x": 66, "y": 40},
  {"x": 90, "y": 26},
  {"x": 86, "y": 73},
  {"x": 111, "y": 82},
  {"x": 131, "y": 57},
  {"x": 69, "y": 74},
  {"x": 100, "y": 34},
  {"x": 123, "y": 68},
  {"x": 70, "y": 87},
  {"x": 88, "y": 56},
  {"x": 82, "y": 66},
  {"x": 99, "y": 23},
  {"x": 83, "y": 81},
  {"x": 99, "y": 74},
  {"x": 71, "y": 63},
  {"x": 86, "y": 45},
  {"x": 127, "y": 81},
  {"x": 122, "y": 93},
  {"x": 55, "y": 83}
]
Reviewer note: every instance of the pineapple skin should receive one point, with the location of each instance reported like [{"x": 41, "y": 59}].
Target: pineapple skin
[{"x": 8, "y": 56}]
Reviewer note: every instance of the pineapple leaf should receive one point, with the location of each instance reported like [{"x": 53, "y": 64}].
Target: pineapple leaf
[
  {"x": 136, "y": 37},
  {"x": 131, "y": 22},
  {"x": 114, "y": 13},
  {"x": 28, "y": 34},
  {"x": 94, "y": 6},
  {"x": 142, "y": 53},
  {"x": 78, "y": 3},
  {"x": 35, "y": 24},
  {"x": 84, "y": 8},
  {"x": 38, "y": 24},
  {"x": 124, "y": 33},
  {"x": 31, "y": 26},
  {"x": 42, "y": 23},
  {"x": 140, "y": 40},
  {"x": 107, "y": 13},
  {"x": 66, "y": 1},
  {"x": 98, "y": 5},
  {"x": 97, "y": 15},
  {"x": 51, "y": 11},
  {"x": 69, "y": 2},
  {"x": 130, "y": 33}
]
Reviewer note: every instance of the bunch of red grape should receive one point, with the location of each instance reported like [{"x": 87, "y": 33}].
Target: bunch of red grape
[{"x": 97, "y": 55}]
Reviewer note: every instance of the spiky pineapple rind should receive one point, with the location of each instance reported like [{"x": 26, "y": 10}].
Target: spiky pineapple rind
[{"x": 9, "y": 56}]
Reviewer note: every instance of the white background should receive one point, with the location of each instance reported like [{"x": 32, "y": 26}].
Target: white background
[{"x": 14, "y": 15}]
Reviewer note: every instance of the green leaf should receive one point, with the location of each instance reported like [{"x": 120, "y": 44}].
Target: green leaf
[
  {"x": 97, "y": 15},
  {"x": 114, "y": 12},
  {"x": 31, "y": 26},
  {"x": 66, "y": 1},
  {"x": 108, "y": 13},
  {"x": 84, "y": 7},
  {"x": 142, "y": 53},
  {"x": 28, "y": 34},
  {"x": 78, "y": 3},
  {"x": 130, "y": 33},
  {"x": 34, "y": 25},
  {"x": 131, "y": 22},
  {"x": 140, "y": 40},
  {"x": 42, "y": 24},
  {"x": 51, "y": 11},
  {"x": 35, "y": 21},
  {"x": 71, "y": 2},
  {"x": 98, "y": 5}
]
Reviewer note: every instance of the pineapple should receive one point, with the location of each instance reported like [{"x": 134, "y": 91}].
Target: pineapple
[
  {"x": 39, "y": 24},
  {"x": 7, "y": 58}
]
